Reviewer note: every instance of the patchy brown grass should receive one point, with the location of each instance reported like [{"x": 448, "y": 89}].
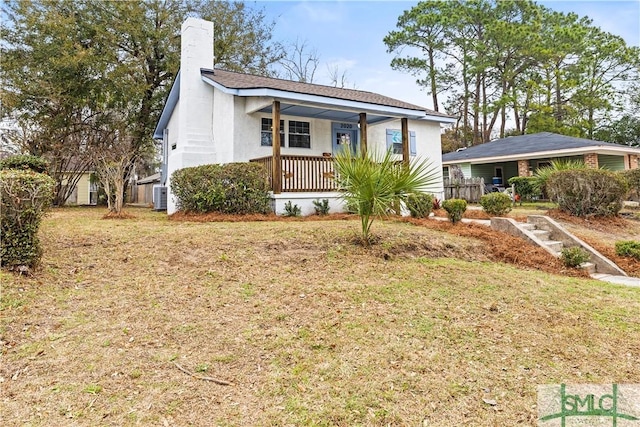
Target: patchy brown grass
[
  {"x": 118, "y": 215},
  {"x": 309, "y": 328}
]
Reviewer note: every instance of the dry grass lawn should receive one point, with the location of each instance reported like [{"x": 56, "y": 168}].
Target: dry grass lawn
[{"x": 309, "y": 329}]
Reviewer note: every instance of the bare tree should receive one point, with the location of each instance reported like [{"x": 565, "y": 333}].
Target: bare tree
[
  {"x": 301, "y": 62},
  {"x": 338, "y": 77},
  {"x": 114, "y": 162}
]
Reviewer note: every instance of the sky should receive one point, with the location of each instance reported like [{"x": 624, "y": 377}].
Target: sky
[{"x": 349, "y": 34}]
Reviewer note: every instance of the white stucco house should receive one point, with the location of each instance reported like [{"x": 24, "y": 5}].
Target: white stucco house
[{"x": 213, "y": 116}]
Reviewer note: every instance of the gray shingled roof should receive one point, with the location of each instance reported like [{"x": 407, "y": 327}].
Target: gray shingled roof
[
  {"x": 525, "y": 144},
  {"x": 233, "y": 80}
]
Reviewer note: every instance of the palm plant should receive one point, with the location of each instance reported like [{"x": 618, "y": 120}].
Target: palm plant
[
  {"x": 376, "y": 184},
  {"x": 542, "y": 175}
]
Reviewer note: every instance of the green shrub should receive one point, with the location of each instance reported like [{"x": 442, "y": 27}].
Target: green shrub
[
  {"x": 25, "y": 196},
  {"x": 525, "y": 187},
  {"x": 574, "y": 257},
  {"x": 455, "y": 208},
  {"x": 291, "y": 210},
  {"x": 542, "y": 175},
  {"x": 628, "y": 248},
  {"x": 351, "y": 206},
  {"x": 496, "y": 203},
  {"x": 234, "y": 188},
  {"x": 321, "y": 206},
  {"x": 25, "y": 162},
  {"x": 420, "y": 204},
  {"x": 632, "y": 176},
  {"x": 587, "y": 192}
]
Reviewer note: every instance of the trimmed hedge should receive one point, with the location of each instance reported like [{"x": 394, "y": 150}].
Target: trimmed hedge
[
  {"x": 455, "y": 208},
  {"x": 233, "y": 188},
  {"x": 25, "y": 162},
  {"x": 496, "y": 203},
  {"x": 25, "y": 196},
  {"x": 587, "y": 192},
  {"x": 420, "y": 205}
]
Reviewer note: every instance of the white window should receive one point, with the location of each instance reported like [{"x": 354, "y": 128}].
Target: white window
[
  {"x": 266, "y": 136},
  {"x": 299, "y": 134}
]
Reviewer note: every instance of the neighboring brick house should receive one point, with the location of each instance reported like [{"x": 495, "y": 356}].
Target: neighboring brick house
[{"x": 522, "y": 155}]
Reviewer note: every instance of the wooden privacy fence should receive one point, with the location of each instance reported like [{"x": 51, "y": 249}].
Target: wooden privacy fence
[
  {"x": 303, "y": 173},
  {"x": 469, "y": 189}
]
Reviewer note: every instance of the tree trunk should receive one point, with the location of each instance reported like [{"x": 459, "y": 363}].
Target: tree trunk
[
  {"x": 119, "y": 202},
  {"x": 476, "y": 111},
  {"x": 432, "y": 77}
]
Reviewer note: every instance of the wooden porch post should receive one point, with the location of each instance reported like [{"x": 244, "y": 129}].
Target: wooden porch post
[
  {"x": 363, "y": 133},
  {"x": 405, "y": 140},
  {"x": 276, "y": 178}
]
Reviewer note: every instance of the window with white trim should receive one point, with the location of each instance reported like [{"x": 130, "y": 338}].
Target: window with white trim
[
  {"x": 266, "y": 135},
  {"x": 299, "y": 134},
  {"x": 394, "y": 139}
]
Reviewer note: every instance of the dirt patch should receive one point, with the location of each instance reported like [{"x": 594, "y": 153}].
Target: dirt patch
[
  {"x": 594, "y": 223},
  {"x": 118, "y": 215}
]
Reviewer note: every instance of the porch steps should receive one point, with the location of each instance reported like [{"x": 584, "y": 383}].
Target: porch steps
[{"x": 551, "y": 236}]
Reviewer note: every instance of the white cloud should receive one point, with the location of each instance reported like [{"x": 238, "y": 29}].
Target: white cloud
[
  {"x": 327, "y": 13},
  {"x": 342, "y": 63}
]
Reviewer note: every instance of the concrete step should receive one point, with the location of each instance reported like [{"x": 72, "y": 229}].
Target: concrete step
[
  {"x": 538, "y": 226},
  {"x": 589, "y": 267},
  {"x": 541, "y": 234},
  {"x": 554, "y": 245},
  {"x": 527, "y": 226}
]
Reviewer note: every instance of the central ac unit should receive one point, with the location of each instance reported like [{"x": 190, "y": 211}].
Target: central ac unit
[{"x": 160, "y": 198}]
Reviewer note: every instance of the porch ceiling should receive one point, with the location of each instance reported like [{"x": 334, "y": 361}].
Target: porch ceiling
[{"x": 320, "y": 112}]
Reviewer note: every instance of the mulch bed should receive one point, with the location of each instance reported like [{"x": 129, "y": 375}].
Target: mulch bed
[
  {"x": 604, "y": 224},
  {"x": 219, "y": 217},
  {"x": 502, "y": 247}
]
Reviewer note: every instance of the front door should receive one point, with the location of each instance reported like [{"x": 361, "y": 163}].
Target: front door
[{"x": 345, "y": 136}]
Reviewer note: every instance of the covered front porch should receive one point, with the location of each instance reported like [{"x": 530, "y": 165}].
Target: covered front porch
[{"x": 288, "y": 173}]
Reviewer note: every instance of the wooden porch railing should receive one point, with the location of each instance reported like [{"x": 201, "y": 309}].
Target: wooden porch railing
[{"x": 302, "y": 173}]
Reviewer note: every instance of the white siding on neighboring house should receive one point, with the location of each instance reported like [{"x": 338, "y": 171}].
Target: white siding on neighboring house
[{"x": 83, "y": 189}]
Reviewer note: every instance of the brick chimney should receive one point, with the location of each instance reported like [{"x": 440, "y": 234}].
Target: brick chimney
[{"x": 192, "y": 122}]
